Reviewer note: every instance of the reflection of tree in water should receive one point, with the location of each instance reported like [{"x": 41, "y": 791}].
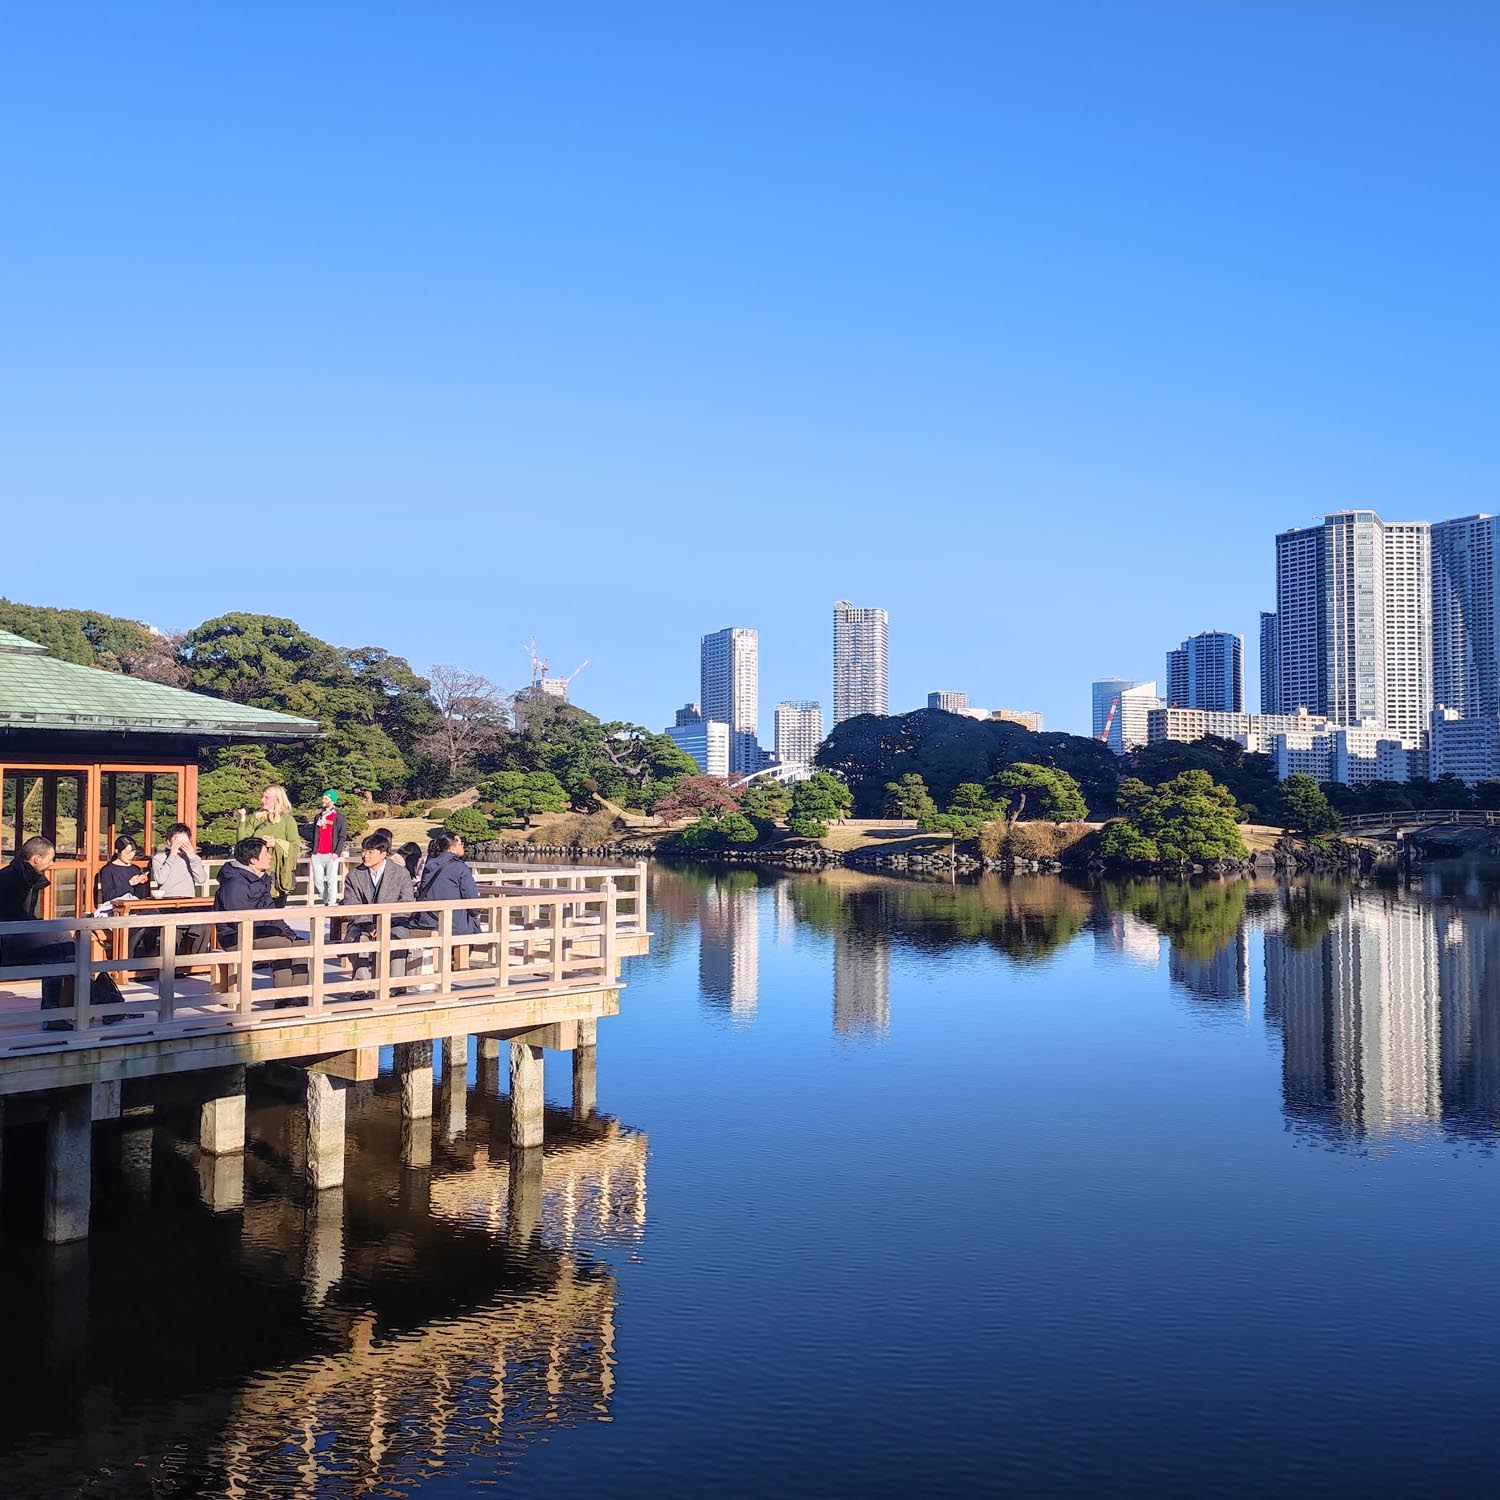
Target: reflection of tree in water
[
  {"x": 1026, "y": 918},
  {"x": 1310, "y": 910},
  {"x": 1201, "y": 919}
]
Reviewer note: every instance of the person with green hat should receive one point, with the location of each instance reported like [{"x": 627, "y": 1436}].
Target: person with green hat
[{"x": 328, "y": 839}]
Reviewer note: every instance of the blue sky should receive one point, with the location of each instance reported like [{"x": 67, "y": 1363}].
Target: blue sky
[{"x": 441, "y": 326}]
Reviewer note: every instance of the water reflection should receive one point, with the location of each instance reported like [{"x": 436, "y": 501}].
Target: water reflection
[
  {"x": 1385, "y": 1002},
  {"x": 225, "y": 1333}
]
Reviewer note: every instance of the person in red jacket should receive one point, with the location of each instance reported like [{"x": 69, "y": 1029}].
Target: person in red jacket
[{"x": 329, "y": 835}]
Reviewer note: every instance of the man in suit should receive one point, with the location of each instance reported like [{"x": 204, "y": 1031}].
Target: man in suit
[{"x": 378, "y": 880}]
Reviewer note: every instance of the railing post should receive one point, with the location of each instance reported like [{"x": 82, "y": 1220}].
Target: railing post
[
  {"x": 383, "y": 955},
  {"x": 315, "y": 940},
  {"x": 83, "y": 940},
  {"x": 445, "y": 949},
  {"x": 245, "y": 978},
  {"x": 610, "y": 951},
  {"x": 557, "y": 941},
  {"x": 166, "y": 978}
]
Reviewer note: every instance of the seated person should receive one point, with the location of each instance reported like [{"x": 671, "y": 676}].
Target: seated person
[
  {"x": 120, "y": 879},
  {"x": 177, "y": 872},
  {"x": 22, "y": 882},
  {"x": 245, "y": 885},
  {"x": 378, "y": 880}
]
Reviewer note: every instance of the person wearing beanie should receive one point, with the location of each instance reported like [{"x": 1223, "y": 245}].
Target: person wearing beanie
[{"x": 329, "y": 836}]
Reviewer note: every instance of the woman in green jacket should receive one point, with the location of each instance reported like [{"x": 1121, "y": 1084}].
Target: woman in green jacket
[{"x": 273, "y": 821}]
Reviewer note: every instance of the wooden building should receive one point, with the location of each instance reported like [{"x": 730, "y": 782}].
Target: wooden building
[{"x": 86, "y": 755}]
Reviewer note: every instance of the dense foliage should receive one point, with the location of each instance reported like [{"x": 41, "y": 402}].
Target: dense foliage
[
  {"x": 1187, "y": 820},
  {"x": 820, "y": 800}
]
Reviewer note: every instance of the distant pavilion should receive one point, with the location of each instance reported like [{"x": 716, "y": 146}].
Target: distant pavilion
[{"x": 87, "y": 754}]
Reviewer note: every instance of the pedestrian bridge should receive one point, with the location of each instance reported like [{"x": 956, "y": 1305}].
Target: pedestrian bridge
[{"x": 1409, "y": 820}]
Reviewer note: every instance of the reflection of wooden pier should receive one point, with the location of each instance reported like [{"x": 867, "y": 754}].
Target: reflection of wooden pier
[
  {"x": 446, "y": 1313},
  {"x": 541, "y": 972}
]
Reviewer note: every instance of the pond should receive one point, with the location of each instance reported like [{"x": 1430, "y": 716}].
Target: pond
[{"x": 1013, "y": 1187}]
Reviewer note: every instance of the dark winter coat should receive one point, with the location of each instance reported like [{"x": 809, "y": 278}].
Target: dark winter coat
[
  {"x": 447, "y": 878},
  {"x": 340, "y": 833},
  {"x": 241, "y": 889},
  {"x": 21, "y": 888}
]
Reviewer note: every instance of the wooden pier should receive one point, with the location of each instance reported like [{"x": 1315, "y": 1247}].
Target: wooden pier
[{"x": 539, "y": 975}]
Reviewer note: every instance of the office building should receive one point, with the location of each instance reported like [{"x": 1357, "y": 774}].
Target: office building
[
  {"x": 950, "y": 703},
  {"x": 730, "y": 664},
  {"x": 1465, "y": 623},
  {"x": 707, "y": 741},
  {"x": 860, "y": 666},
  {"x": 1208, "y": 671},
  {"x": 799, "y": 732},
  {"x": 1270, "y": 701},
  {"x": 1025, "y": 719},
  {"x": 1120, "y": 712},
  {"x": 1354, "y": 621},
  {"x": 689, "y": 713}
]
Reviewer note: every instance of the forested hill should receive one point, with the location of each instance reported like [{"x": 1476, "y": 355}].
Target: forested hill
[{"x": 947, "y": 749}]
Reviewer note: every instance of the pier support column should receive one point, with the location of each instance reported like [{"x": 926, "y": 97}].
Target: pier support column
[
  {"x": 526, "y": 1094},
  {"x": 414, "y": 1068},
  {"x": 323, "y": 1259},
  {"x": 70, "y": 1131},
  {"x": 523, "y": 1197},
  {"x": 586, "y": 1071},
  {"x": 489, "y": 1066},
  {"x": 106, "y": 1100},
  {"x": 454, "y": 1101},
  {"x": 221, "y": 1121},
  {"x": 325, "y": 1130}
]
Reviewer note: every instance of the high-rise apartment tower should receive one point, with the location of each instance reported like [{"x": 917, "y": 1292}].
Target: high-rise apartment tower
[
  {"x": 799, "y": 732},
  {"x": 730, "y": 666},
  {"x": 860, "y": 667},
  {"x": 1208, "y": 671}
]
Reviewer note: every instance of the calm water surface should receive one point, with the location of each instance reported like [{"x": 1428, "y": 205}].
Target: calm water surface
[{"x": 1010, "y": 1188}]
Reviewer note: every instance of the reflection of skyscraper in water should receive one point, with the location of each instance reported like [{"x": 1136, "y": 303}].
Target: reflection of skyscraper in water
[
  {"x": 861, "y": 984},
  {"x": 1358, "y": 1012},
  {"x": 1468, "y": 959},
  {"x": 1124, "y": 933},
  {"x": 729, "y": 947},
  {"x": 1221, "y": 976}
]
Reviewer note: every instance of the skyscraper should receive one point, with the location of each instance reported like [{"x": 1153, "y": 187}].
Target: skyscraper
[
  {"x": 1270, "y": 673},
  {"x": 859, "y": 661},
  {"x": 799, "y": 732},
  {"x": 1208, "y": 671},
  {"x": 1354, "y": 621},
  {"x": 1120, "y": 709},
  {"x": 730, "y": 668},
  {"x": 1465, "y": 622}
]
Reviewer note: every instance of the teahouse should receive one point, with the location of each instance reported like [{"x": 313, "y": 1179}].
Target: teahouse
[{"x": 86, "y": 754}]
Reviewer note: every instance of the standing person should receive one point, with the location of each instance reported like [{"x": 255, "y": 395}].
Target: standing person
[
  {"x": 378, "y": 880},
  {"x": 329, "y": 835},
  {"x": 120, "y": 879},
  {"x": 274, "y": 822},
  {"x": 176, "y": 869}
]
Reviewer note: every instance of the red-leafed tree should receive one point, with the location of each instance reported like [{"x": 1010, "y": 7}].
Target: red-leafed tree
[{"x": 696, "y": 797}]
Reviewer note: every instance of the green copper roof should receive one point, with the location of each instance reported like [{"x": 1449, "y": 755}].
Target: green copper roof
[{"x": 38, "y": 691}]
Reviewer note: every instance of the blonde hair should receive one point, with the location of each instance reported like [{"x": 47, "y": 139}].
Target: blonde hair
[{"x": 281, "y": 804}]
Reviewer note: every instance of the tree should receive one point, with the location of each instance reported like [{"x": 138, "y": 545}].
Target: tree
[
  {"x": 766, "y": 800},
  {"x": 816, "y": 802},
  {"x": 1052, "y": 794},
  {"x": 909, "y": 798},
  {"x": 1187, "y": 820},
  {"x": 1307, "y": 807},
  {"x": 470, "y": 713},
  {"x": 696, "y": 797},
  {"x": 717, "y": 833},
  {"x": 237, "y": 777},
  {"x": 468, "y": 823},
  {"x": 520, "y": 796}
]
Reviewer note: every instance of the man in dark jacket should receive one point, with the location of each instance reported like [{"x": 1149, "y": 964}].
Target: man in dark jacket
[
  {"x": 326, "y": 842},
  {"x": 245, "y": 885},
  {"x": 446, "y": 877},
  {"x": 22, "y": 882}
]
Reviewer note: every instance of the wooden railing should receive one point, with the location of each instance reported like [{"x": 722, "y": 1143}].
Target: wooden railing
[
  {"x": 1429, "y": 817},
  {"x": 629, "y": 882},
  {"x": 531, "y": 942}
]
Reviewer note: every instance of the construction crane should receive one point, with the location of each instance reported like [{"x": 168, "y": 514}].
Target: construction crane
[
  {"x": 1109, "y": 719},
  {"x": 554, "y": 687}
]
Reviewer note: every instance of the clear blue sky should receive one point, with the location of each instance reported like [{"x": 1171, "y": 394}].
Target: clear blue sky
[{"x": 437, "y": 326}]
